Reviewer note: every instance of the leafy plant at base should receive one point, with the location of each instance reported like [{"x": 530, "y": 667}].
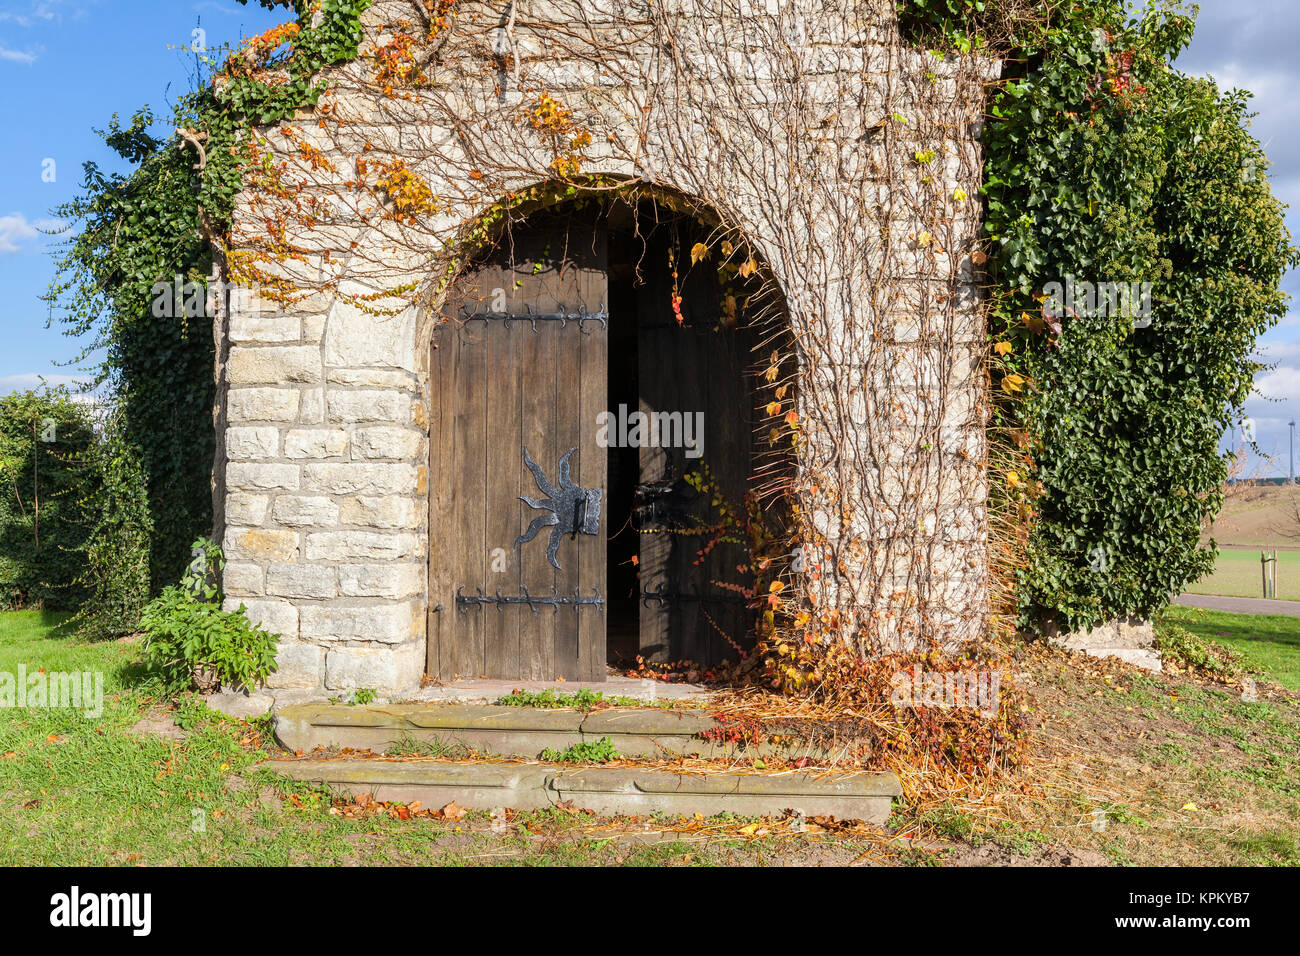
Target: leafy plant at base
[
  {"x": 593, "y": 751},
  {"x": 1180, "y": 646},
  {"x": 191, "y": 641}
]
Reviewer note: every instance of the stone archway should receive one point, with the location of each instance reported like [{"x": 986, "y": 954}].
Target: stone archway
[{"x": 593, "y": 410}]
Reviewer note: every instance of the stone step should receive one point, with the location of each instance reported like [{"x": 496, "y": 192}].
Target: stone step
[
  {"x": 525, "y": 732},
  {"x": 484, "y": 785}
]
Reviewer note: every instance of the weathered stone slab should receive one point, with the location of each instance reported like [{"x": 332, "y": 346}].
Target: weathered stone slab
[
  {"x": 528, "y": 786},
  {"x": 510, "y": 731}
]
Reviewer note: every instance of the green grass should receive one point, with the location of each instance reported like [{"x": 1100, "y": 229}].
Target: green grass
[
  {"x": 1269, "y": 643},
  {"x": 92, "y": 792},
  {"x": 1237, "y": 574},
  {"x": 582, "y": 699}
]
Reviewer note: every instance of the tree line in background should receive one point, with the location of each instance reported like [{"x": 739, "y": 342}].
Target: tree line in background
[{"x": 74, "y": 520}]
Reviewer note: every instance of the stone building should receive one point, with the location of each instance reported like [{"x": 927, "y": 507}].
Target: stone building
[{"x": 755, "y": 223}]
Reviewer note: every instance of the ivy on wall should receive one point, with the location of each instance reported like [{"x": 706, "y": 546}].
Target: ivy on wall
[
  {"x": 165, "y": 221},
  {"x": 1105, "y": 165}
]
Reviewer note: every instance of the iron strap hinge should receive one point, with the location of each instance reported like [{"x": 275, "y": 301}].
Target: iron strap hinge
[
  {"x": 553, "y": 600},
  {"x": 564, "y": 318},
  {"x": 663, "y": 597}
]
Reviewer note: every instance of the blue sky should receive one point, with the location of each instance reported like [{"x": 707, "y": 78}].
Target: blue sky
[{"x": 66, "y": 66}]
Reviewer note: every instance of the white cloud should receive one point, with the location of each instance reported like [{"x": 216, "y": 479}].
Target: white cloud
[
  {"x": 15, "y": 229},
  {"x": 34, "y": 380},
  {"x": 17, "y": 56},
  {"x": 40, "y": 11}
]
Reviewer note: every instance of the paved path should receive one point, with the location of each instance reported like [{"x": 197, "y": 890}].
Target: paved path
[{"x": 1236, "y": 605}]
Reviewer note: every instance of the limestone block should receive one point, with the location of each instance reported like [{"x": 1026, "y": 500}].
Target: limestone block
[
  {"x": 388, "y": 670},
  {"x": 382, "y": 580},
  {"x": 300, "y": 364},
  {"x": 382, "y": 513},
  {"x": 315, "y": 443},
  {"x": 397, "y": 444},
  {"x": 361, "y": 546},
  {"x": 262, "y": 405},
  {"x": 296, "y": 511},
  {"x": 278, "y": 617},
  {"x": 260, "y": 544},
  {"x": 302, "y": 581},
  {"x": 248, "y": 443},
  {"x": 260, "y": 476},
  {"x": 299, "y": 667},
  {"x": 387, "y": 623},
  {"x": 358, "y": 478}
]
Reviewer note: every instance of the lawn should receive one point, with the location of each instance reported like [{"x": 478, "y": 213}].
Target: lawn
[
  {"x": 1267, "y": 642},
  {"x": 92, "y": 792},
  {"x": 1237, "y": 574},
  {"x": 1179, "y": 773}
]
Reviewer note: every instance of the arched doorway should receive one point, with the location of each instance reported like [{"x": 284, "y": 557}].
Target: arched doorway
[{"x": 593, "y": 417}]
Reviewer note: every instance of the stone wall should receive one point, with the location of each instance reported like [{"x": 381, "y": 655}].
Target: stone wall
[{"x": 325, "y": 482}]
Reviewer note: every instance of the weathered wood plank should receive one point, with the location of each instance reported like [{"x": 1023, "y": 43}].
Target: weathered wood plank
[
  {"x": 470, "y": 546},
  {"x": 504, "y": 484}
]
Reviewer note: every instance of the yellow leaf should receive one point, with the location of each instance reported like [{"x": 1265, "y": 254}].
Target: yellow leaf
[
  {"x": 776, "y": 587},
  {"x": 1003, "y": 348},
  {"x": 1190, "y": 806},
  {"x": 773, "y": 408},
  {"x": 699, "y": 251},
  {"x": 959, "y": 194},
  {"x": 1013, "y": 383},
  {"x": 923, "y": 239},
  {"x": 748, "y": 268},
  {"x": 727, "y": 248}
]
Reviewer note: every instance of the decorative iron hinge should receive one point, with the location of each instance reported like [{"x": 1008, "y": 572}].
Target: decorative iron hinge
[
  {"x": 569, "y": 509},
  {"x": 563, "y": 317},
  {"x": 662, "y": 597},
  {"x": 534, "y": 602}
]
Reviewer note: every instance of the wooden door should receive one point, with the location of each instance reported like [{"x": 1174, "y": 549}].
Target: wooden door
[
  {"x": 701, "y": 366},
  {"x": 516, "y": 529}
]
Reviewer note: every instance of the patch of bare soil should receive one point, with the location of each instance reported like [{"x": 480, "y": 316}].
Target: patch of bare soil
[
  {"x": 1149, "y": 768},
  {"x": 159, "y": 723}
]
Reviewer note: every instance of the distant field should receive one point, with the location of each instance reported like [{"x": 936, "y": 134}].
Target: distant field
[
  {"x": 1259, "y": 516},
  {"x": 1237, "y": 574}
]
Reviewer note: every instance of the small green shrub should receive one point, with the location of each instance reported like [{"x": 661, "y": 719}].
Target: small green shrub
[
  {"x": 596, "y": 751},
  {"x": 191, "y": 642},
  {"x": 1190, "y": 651}
]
